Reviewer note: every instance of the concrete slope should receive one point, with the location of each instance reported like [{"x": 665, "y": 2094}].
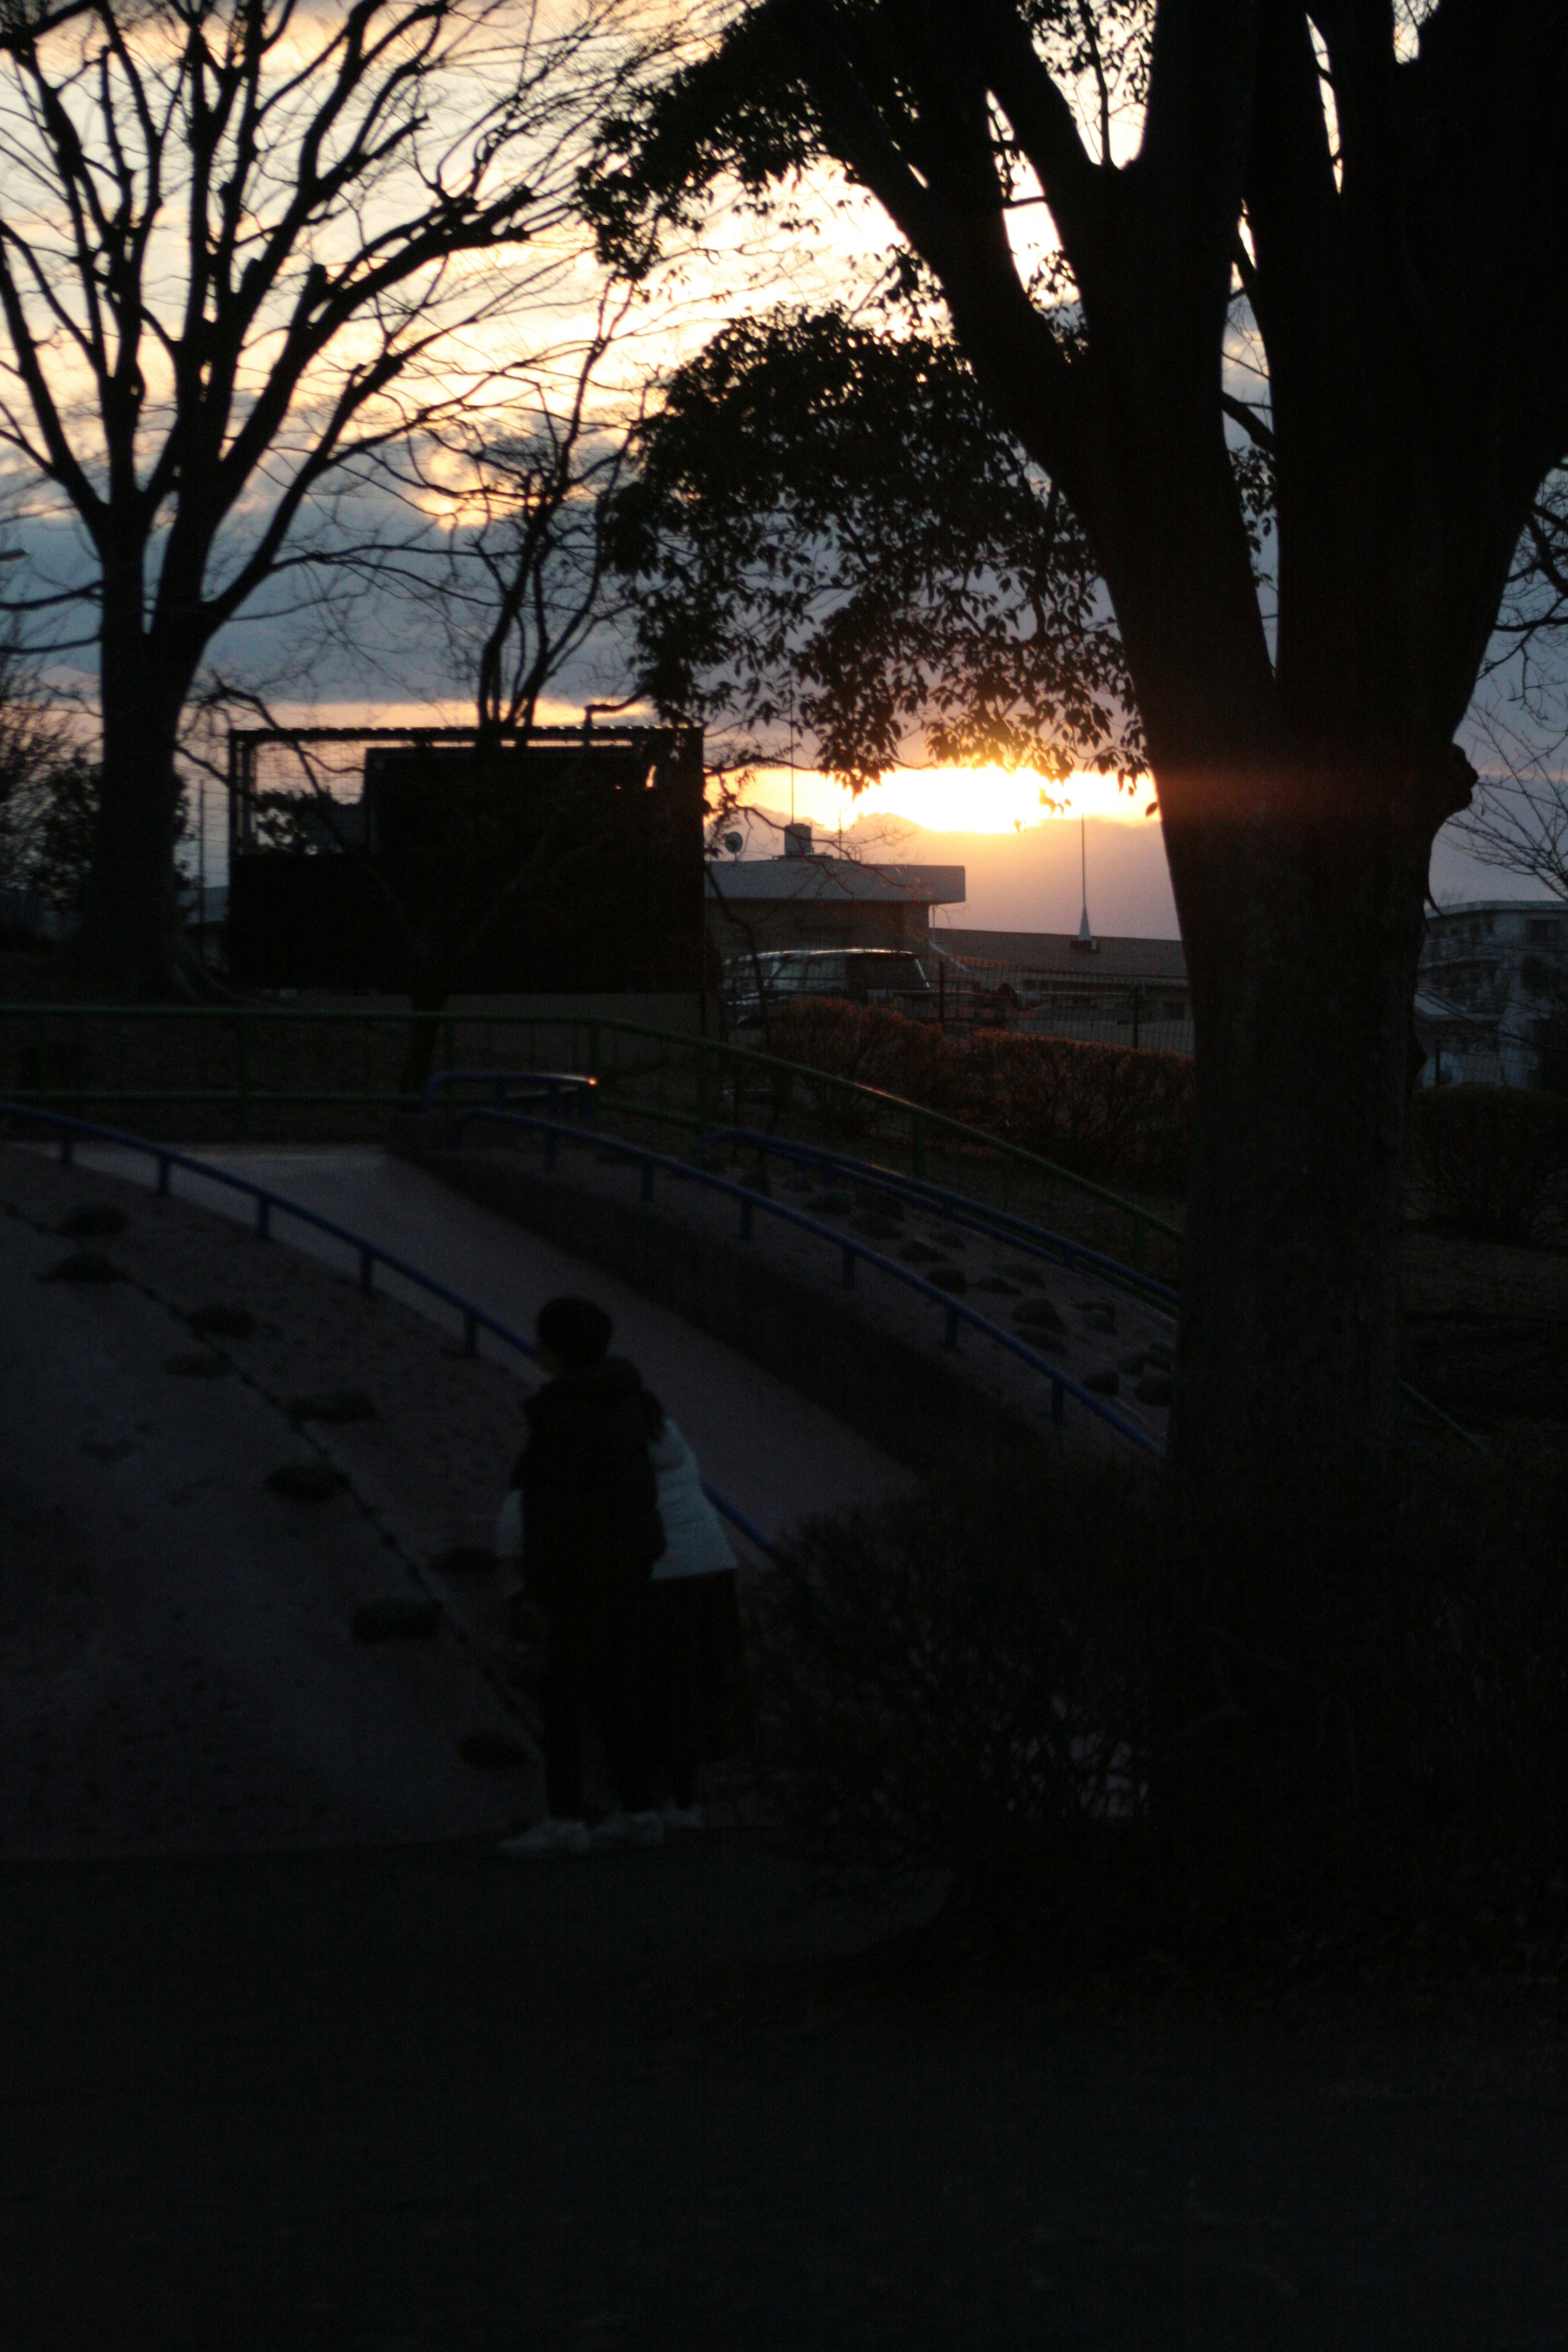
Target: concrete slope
[
  {"x": 181, "y": 1672},
  {"x": 777, "y": 1456}
]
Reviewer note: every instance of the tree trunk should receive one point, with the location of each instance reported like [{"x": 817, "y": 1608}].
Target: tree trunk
[
  {"x": 1303, "y": 933},
  {"x": 131, "y": 942}
]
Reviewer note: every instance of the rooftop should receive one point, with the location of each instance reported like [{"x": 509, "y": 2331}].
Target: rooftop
[
  {"x": 742, "y": 880},
  {"x": 1061, "y": 951}
]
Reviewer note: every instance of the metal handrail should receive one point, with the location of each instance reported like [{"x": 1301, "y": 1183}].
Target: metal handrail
[
  {"x": 370, "y": 1254},
  {"x": 854, "y": 1252},
  {"x": 922, "y": 1120},
  {"x": 958, "y": 1208},
  {"x": 978, "y": 1216}
]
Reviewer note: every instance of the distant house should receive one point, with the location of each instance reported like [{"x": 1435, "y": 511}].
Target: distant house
[
  {"x": 809, "y": 898},
  {"x": 1491, "y": 994}
]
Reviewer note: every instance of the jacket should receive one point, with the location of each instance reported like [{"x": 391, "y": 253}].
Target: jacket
[
  {"x": 590, "y": 1507},
  {"x": 695, "y": 1543}
]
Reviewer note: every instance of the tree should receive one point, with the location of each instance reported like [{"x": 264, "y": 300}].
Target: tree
[
  {"x": 49, "y": 793},
  {"x": 238, "y": 239},
  {"x": 1519, "y": 818},
  {"x": 792, "y": 557},
  {"x": 1382, "y": 190}
]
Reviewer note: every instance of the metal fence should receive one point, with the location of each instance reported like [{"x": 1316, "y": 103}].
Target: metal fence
[{"x": 972, "y": 992}]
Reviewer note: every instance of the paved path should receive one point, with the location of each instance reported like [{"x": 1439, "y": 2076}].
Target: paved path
[{"x": 777, "y": 1456}]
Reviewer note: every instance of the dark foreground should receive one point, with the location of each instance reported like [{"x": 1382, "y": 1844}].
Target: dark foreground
[{"x": 421, "y": 2099}]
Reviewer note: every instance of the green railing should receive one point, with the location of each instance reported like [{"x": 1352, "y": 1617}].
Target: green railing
[{"x": 253, "y": 1059}]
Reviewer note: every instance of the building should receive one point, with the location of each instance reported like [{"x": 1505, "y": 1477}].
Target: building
[
  {"x": 561, "y": 860},
  {"x": 1491, "y": 994},
  {"x": 1117, "y": 992},
  {"x": 808, "y": 898}
]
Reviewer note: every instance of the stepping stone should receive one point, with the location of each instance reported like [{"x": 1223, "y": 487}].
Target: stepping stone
[
  {"x": 920, "y": 1254},
  {"x": 199, "y": 1365},
  {"x": 1133, "y": 1365},
  {"x": 1155, "y": 1388},
  {"x": 83, "y": 1266},
  {"x": 1098, "y": 1314},
  {"x": 1160, "y": 1354},
  {"x": 465, "y": 1559},
  {"x": 875, "y": 1228},
  {"x": 306, "y": 1482},
  {"x": 1000, "y": 1285},
  {"x": 948, "y": 1278},
  {"x": 332, "y": 1405},
  {"x": 94, "y": 1221},
  {"x": 800, "y": 1184},
  {"x": 1039, "y": 1315},
  {"x": 396, "y": 1617},
  {"x": 880, "y": 1204},
  {"x": 223, "y": 1322},
  {"x": 1027, "y": 1274},
  {"x": 1105, "y": 1383},
  {"x": 493, "y": 1751},
  {"x": 830, "y": 1205}
]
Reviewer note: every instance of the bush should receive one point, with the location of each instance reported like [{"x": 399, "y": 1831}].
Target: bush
[
  {"x": 1491, "y": 1161},
  {"x": 1109, "y": 1112},
  {"x": 1024, "y": 1684}
]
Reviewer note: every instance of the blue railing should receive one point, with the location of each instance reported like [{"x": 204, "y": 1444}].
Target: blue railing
[
  {"x": 853, "y": 1251},
  {"x": 507, "y": 1086},
  {"x": 370, "y": 1253}
]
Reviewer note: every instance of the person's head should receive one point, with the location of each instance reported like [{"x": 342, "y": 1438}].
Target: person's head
[{"x": 574, "y": 1335}]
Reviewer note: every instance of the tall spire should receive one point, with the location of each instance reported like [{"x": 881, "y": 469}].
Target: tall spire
[{"x": 1085, "y": 928}]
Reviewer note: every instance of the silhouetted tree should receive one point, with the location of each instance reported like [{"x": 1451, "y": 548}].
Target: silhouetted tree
[{"x": 1381, "y": 189}]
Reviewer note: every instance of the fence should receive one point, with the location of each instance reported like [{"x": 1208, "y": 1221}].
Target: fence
[
  {"x": 973, "y": 992},
  {"x": 289, "y": 1071}
]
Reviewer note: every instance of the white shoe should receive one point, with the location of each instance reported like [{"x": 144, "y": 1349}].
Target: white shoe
[
  {"x": 547, "y": 1840},
  {"x": 630, "y": 1829},
  {"x": 683, "y": 1817}
]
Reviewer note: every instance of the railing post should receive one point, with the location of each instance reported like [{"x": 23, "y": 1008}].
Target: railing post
[
  {"x": 702, "y": 1081},
  {"x": 263, "y": 1217},
  {"x": 950, "y": 1335},
  {"x": 242, "y": 1077},
  {"x": 164, "y": 1172},
  {"x": 550, "y": 1150},
  {"x": 471, "y": 1334},
  {"x": 68, "y": 1146},
  {"x": 917, "y": 1143},
  {"x": 367, "y": 1271},
  {"x": 849, "y": 1267},
  {"x": 1058, "y": 1401},
  {"x": 647, "y": 1180},
  {"x": 745, "y": 1220},
  {"x": 1138, "y": 1241}
]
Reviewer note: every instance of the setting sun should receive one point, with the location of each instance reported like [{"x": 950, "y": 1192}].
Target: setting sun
[{"x": 948, "y": 799}]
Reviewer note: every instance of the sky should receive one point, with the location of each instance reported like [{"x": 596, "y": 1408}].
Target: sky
[{"x": 1022, "y": 863}]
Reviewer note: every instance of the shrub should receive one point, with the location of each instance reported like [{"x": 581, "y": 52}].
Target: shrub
[
  {"x": 1491, "y": 1161},
  {"x": 1109, "y": 1112},
  {"x": 1023, "y": 1683}
]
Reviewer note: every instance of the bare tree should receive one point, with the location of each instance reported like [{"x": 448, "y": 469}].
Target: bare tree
[
  {"x": 1518, "y": 820},
  {"x": 244, "y": 246}
]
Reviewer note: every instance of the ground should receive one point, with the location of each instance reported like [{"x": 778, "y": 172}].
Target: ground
[{"x": 421, "y": 2099}]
